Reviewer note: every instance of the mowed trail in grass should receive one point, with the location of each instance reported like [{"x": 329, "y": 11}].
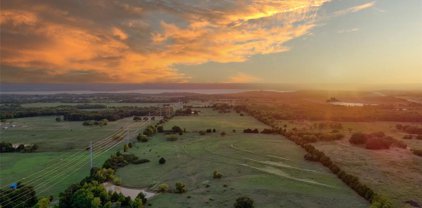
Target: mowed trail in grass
[
  {"x": 268, "y": 168},
  {"x": 61, "y": 159}
]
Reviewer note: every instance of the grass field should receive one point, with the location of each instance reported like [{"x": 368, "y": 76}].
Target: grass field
[
  {"x": 57, "y": 136},
  {"x": 210, "y": 119},
  {"x": 61, "y": 159},
  {"x": 268, "y": 168},
  {"x": 28, "y": 105},
  {"x": 395, "y": 173}
]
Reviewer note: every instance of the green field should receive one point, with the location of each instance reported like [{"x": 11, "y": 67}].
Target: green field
[
  {"x": 61, "y": 159},
  {"x": 55, "y": 104},
  {"x": 210, "y": 119},
  {"x": 57, "y": 136},
  {"x": 268, "y": 168}
]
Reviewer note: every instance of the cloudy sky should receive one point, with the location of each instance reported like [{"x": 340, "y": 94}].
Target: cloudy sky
[{"x": 212, "y": 41}]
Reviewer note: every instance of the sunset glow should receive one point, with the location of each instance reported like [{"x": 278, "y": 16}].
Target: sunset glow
[{"x": 182, "y": 41}]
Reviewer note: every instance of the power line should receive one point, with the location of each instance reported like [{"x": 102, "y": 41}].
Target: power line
[{"x": 82, "y": 161}]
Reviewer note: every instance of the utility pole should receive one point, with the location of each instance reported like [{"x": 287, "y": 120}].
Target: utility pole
[{"x": 91, "y": 153}]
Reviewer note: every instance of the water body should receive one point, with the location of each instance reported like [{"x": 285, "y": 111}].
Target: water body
[{"x": 350, "y": 104}]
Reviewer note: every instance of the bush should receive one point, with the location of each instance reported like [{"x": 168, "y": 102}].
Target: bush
[
  {"x": 163, "y": 187},
  {"x": 417, "y": 152},
  {"x": 160, "y": 129},
  {"x": 376, "y": 144},
  {"x": 162, "y": 161},
  {"x": 142, "y": 138},
  {"x": 172, "y": 138},
  {"x": 140, "y": 161},
  {"x": 142, "y": 197},
  {"x": 180, "y": 187},
  {"x": 358, "y": 138},
  {"x": 177, "y": 129},
  {"x": 223, "y": 133},
  {"x": 216, "y": 175},
  {"x": 149, "y": 131},
  {"x": 244, "y": 202},
  {"x": 125, "y": 148}
]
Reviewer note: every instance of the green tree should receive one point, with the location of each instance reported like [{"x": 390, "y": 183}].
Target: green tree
[
  {"x": 180, "y": 187},
  {"x": 43, "y": 203},
  {"x": 244, "y": 202}
]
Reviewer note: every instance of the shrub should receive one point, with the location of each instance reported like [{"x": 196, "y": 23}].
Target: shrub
[
  {"x": 142, "y": 197},
  {"x": 163, "y": 187},
  {"x": 244, "y": 202},
  {"x": 142, "y": 138},
  {"x": 417, "y": 152},
  {"x": 162, "y": 161},
  {"x": 358, "y": 138},
  {"x": 216, "y": 175},
  {"x": 202, "y": 133},
  {"x": 149, "y": 131},
  {"x": 140, "y": 161},
  {"x": 376, "y": 144},
  {"x": 125, "y": 148},
  {"x": 177, "y": 129},
  {"x": 160, "y": 129},
  {"x": 180, "y": 187},
  {"x": 223, "y": 133}
]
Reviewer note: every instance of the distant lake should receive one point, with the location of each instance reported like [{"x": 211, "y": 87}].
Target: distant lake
[{"x": 350, "y": 104}]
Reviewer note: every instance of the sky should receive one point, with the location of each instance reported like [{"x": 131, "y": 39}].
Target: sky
[{"x": 211, "y": 41}]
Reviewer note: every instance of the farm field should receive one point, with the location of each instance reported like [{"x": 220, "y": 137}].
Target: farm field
[
  {"x": 268, "y": 168},
  {"x": 55, "y": 104},
  {"x": 210, "y": 119},
  {"x": 394, "y": 173},
  {"x": 50, "y": 135},
  {"x": 62, "y": 158}
]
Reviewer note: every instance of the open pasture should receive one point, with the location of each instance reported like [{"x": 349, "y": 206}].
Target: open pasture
[
  {"x": 62, "y": 158},
  {"x": 268, "y": 168}
]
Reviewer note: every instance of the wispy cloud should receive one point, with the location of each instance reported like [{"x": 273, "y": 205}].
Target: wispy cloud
[
  {"x": 243, "y": 78},
  {"x": 143, "y": 41},
  {"x": 356, "y": 8},
  {"x": 347, "y": 30}
]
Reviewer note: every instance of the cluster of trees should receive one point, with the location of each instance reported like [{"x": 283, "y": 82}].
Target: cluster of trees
[
  {"x": 311, "y": 137},
  {"x": 102, "y": 122},
  {"x": 330, "y": 125},
  {"x": 21, "y": 197},
  {"x": 8, "y": 147},
  {"x": 375, "y": 141},
  {"x": 89, "y": 193},
  {"x": 150, "y": 130},
  {"x": 186, "y": 112},
  {"x": 207, "y": 131},
  {"x": 119, "y": 160},
  {"x": 251, "y": 131},
  {"x": 222, "y": 108},
  {"x": 409, "y": 129},
  {"x": 318, "y": 112},
  {"x": 111, "y": 114}
]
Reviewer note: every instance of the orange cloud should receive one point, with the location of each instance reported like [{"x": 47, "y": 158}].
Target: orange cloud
[
  {"x": 125, "y": 42},
  {"x": 243, "y": 78}
]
